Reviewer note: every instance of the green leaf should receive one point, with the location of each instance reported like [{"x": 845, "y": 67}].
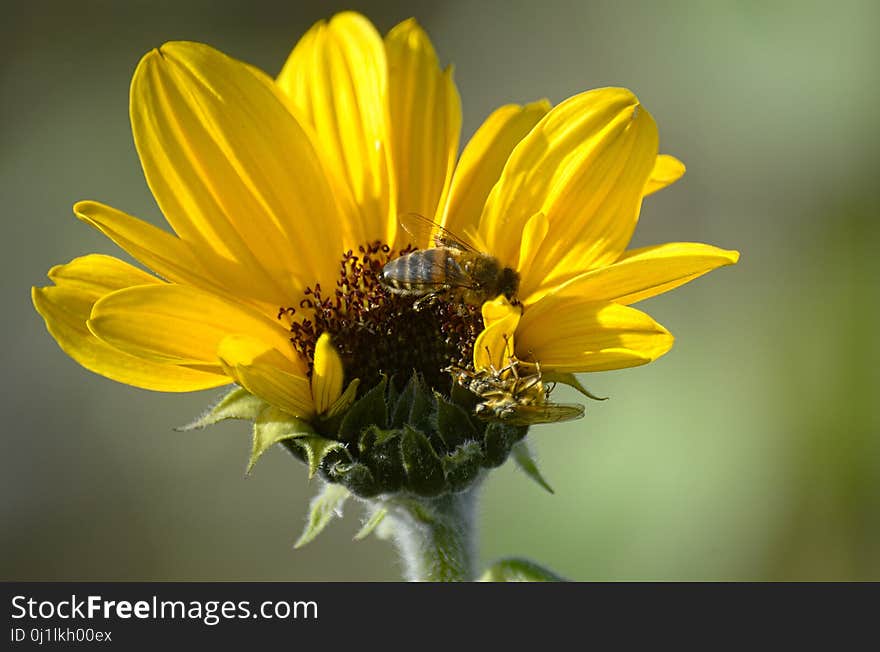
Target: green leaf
[
  {"x": 316, "y": 450},
  {"x": 324, "y": 506},
  {"x": 526, "y": 461},
  {"x": 572, "y": 381},
  {"x": 272, "y": 426},
  {"x": 237, "y": 404},
  {"x": 376, "y": 517},
  {"x": 519, "y": 570}
]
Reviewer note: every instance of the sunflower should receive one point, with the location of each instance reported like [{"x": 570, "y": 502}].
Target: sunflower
[{"x": 283, "y": 197}]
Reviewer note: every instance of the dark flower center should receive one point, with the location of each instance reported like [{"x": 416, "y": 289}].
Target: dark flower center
[{"x": 377, "y": 332}]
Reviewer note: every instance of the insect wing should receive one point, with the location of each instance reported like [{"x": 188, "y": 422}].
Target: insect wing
[
  {"x": 527, "y": 415},
  {"x": 441, "y": 264},
  {"x": 424, "y": 230}
]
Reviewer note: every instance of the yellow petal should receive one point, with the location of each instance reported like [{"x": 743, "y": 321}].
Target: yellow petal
[
  {"x": 495, "y": 344},
  {"x": 327, "y": 374},
  {"x": 164, "y": 253},
  {"x": 425, "y": 120},
  {"x": 667, "y": 170},
  {"x": 337, "y": 81},
  {"x": 570, "y": 335},
  {"x": 533, "y": 235},
  {"x": 267, "y": 374},
  {"x": 180, "y": 325},
  {"x": 66, "y": 307},
  {"x": 584, "y": 165},
  {"x": 646, "y": 272},
  {"x": 230, "y": 167},
  {"x": 483, "y": 159},
  {"x": 176, "y": 260}
]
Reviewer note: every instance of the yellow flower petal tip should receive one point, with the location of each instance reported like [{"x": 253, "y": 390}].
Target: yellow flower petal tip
[
  {"x": 327, "y": 374},
  {"x": 666, "y": 171}
]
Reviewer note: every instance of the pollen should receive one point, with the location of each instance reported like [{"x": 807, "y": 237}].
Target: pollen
[{"x": 378, "y": 333}]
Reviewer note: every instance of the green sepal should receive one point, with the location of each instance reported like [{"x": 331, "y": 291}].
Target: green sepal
[
  {"x": 453, "y": 424},
  {"x": 422, "y": 405},
  {"x": 369, "y": 410},
  {"x": 464, "y": 397},
  {"x": 380, "y": 451},
  {"x": 526, "y": 461},
  {"x": 392, "y": 394},
  {"x": 317, "y": 449},
  {"x": 272, "y": 426},
  {"x": 499, "y": 438},
  {"x": 413, "y": 405},
  {"x": 357, "y": 477},
  {"x": 462, "y": 466},
  {"x": 423, "y": 468},
  {"x": 570, "y": 380},
  {"x": 237, "y": 404},
  {"x": 371, "y": 523},
  {"x": 519, "y": 570},
  {"x": 400, "y": 404},
  {"x": 326, "y": 504}
]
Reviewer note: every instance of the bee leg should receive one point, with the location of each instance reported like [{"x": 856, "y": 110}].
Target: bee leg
[
  {"x": 427, "y": 299},
  {"x": 492, "y": 368}
]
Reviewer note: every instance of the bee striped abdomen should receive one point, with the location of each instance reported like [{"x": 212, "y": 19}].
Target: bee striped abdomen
[{"x": 420, "y": 271}]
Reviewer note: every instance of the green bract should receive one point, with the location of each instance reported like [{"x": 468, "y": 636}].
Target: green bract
[{"x": 410, "y": 440}]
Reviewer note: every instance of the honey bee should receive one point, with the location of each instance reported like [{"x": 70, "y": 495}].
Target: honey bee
[
  {"x": 451, "y": 268},
  {"x": 513, "y": 397}
]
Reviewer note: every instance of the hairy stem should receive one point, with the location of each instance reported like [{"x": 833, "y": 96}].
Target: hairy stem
[{"x": 436, "y": 537}]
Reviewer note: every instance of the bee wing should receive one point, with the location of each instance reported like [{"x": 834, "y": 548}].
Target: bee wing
[
  {"x": 526, "y": 415},
  {"x": 446, "y": 268},
  {"x": 423, "y": 229}
]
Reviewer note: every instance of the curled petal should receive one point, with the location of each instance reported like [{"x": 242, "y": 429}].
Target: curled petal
[{"x": 667, "y": 170}]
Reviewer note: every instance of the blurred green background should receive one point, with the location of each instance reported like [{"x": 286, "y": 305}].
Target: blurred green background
[{"x": 750, "y": 452}]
